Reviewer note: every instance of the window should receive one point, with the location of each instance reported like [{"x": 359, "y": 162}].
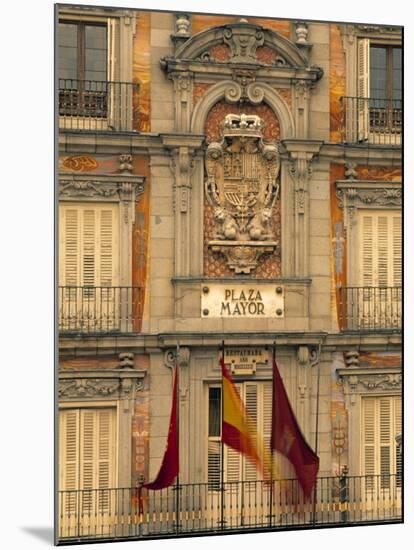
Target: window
[
  {"x": 89, "y": 266},
  {"x": 380, "y": 248},
  {"x": 87, "y": 443},
  {"x": 257, "y": 396},
  {"x": 381, "y": 459},
  {"x": 83, "y": 64},
  {"x": 379, "y": 90}
]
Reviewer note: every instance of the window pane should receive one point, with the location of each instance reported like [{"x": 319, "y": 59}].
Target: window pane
[
  {"x": 95, "y": 52},
  {"x": 396, "y": 76},
  {"x": 68, "y": 52},
  {"x": 214, "y": 411},
  {"x": 378, "y": 71},
  {"x": 68, "y": 34}
]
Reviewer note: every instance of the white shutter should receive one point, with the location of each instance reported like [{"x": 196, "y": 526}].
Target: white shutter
[
  {"x": 368, "y": 440},
  {"x": 381, "y": 423},
  {"x": 381, "y": 248},
  {"x": 367, "y": 251},
  {"x": 397, "y": 250},
  {"x": 69, "y": 261},
  {"x": 251, "y": 402},
  {"x": 89, "y": 242},
  {"x": 363, "y": 89},
  {"x": 68, "y": 450},
  {"x": 233, "y": 459}
]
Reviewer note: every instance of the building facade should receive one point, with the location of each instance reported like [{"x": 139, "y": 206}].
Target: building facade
[{"x": 237, "y": 180}]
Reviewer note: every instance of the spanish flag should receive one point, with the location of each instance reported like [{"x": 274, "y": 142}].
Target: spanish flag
[{"x": 238, "y": 429}]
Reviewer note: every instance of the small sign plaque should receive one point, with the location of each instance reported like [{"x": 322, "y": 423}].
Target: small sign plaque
[
  {"x": 242, "y": 300},
  {"x": 244, "y": 361}
]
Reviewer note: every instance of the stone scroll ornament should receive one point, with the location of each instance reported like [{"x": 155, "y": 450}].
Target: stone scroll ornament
[{"x": 242, "y": 187}]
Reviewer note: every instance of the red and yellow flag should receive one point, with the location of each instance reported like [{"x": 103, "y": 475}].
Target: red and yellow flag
[{"x": 238, "y": 429}]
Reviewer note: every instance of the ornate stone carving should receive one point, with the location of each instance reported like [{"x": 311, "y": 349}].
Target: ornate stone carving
[
  {"x": 303, "y": 355},
  {"x": 182, "y": 25},
  {"x": 301, "y": 30},
  {"x": 351, "y": 358},
  {"x": 170, "y": 357},
  {"x": 350, "y": 172},
  {"x": 112, "y": 188},
  {"x": 86, "y": 188},
  {"x": 243, "y": 41},
  {"x": 363, "y": 197},
  {"x": 116, "y": 383},
  {"x": 126, "y": 361},
  {"x": 87, "y": 388},
  {"x": 242, "y": 188},
  {"x": 358, "y": 381},
  {"x": 125, "y": 164}
]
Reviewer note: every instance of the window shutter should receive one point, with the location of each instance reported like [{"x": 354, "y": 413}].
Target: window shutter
[
  {"x": 385, "y": 420},
  {"x": 106, "y": 248},
  {"x": 367, "y": 251},
  {"x": 363, "y": 89},
  {"x": 381, "y": 249},
  {"x": 251, "y": 402},
  {"x": 233, "y": 459},
  {"x": 68, "y": 449},
  {"x": 88, "y": 248},
  {"x": 89, "y": 245},
  {"x": 398, "y": 431},
  {"x": 397, "y": 250},
  {"x": 368, "y": 435},
  {"x": 214, "y": 464},
  {"x": 69, "y": 251}
]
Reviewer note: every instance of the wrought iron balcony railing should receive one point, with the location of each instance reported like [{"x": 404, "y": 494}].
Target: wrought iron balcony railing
[
  {"x": 100, "y": 309},
  {"x": 370, "y": 308},
  {"x": 96, "y": 105},
  {"x": 242, "y": 506},
  {"x": 371, "y": 120}
]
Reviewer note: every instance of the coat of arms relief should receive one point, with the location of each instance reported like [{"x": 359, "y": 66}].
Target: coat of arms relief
[{"x": 242, "y": 187}]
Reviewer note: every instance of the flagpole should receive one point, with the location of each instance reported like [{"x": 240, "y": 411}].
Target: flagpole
[
  {"x": 222, "y": 446},
  {"x": 177, "y": 482},
  {"x": 318, "y": 376},
  {"x": 271, "y": 446}
]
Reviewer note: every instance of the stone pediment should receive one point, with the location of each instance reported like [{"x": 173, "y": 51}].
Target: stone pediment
[{"x": 241, "y": 42}]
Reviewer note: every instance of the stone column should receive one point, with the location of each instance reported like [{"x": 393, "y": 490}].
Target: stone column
[{"x": 301, "y": 154}]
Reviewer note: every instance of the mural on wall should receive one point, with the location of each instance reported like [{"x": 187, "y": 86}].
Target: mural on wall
[
  {"x": 337, "y": 81},
  {"x": 339, "y": 418},
  {"x": 215, "y": 264},
  {"x": 142, "y": 73},
  {"x": 99, "y": 164},
  {"x": 140, "y": 241},
  {"x": 141, "y": 425},
  {"x": 380, "y": 173},
  {"x": 338, "y": 243}
]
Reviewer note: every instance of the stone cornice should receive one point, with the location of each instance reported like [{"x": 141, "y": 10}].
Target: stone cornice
[{"x": 147, "y": 143}]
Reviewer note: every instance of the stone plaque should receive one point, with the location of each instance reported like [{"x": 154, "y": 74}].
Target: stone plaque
[
  {"x": 244, "y": 361},
  {"x": 242, "y": 300}
]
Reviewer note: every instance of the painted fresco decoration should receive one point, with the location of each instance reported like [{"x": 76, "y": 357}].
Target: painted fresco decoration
[{"x": 242, "y": 188}]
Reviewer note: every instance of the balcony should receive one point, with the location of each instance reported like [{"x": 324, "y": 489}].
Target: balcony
[
  {"x": 97, "y": 106},
  {"x": 100, "y": 309},
  {"x": 241, "y": 506},
  {"x": 371, "y": 121},
  {"x": 370, "y": 308}
]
